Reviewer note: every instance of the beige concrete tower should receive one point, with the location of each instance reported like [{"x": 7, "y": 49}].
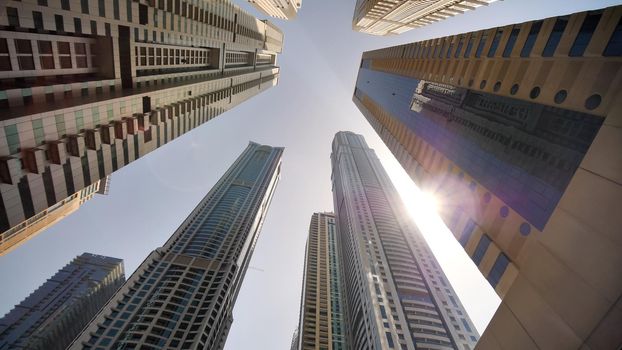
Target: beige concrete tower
[
  {"x": 321, "y": 323},
  {"x": 89, "y": 86},
  {"x": 282, "y": 9},
  {"x": 388, "y": 17},
  {"x": 517, "y": 131}
]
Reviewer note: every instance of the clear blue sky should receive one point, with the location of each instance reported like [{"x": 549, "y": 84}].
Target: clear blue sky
[{"x": 151, "y": 197}]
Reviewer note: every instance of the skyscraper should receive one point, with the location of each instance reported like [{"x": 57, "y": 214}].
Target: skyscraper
[
  {"x": 88, "y": 87},
  {"x": 389, "y": 17},
  {"x": 283, "y": 9},
  {"x": 182, "y": 295},
  {"x": 396, "y": 296},
  {"x": 516, "y": 131},
  {"x": 16, "y": 235},
  {"x": 321, "y": 324},
  {"x": 57, "y": 311}
]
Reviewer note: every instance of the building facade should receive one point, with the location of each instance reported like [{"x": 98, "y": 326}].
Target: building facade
[
  {"x": 182, "y": 295},
  {"x": 57, "y": 311},
  {"x": 396, "y": 295},
  {"x": 282, "y": 9},
  {"x": 20, "y": 233},
  {"x": 89, "y": 86},
  {"x": 515, "y": 130},
  {"x": 321, "y": 324},
  {"x": 382, "y": 17}
]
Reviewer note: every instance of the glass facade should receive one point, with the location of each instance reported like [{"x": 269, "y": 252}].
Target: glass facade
[
  {"x": 182, "y": 295},
  {"x": 489, "y": 136}
]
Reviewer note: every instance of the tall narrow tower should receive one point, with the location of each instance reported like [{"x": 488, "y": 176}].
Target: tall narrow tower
[
  {"x": 182, "y": 295},
  {"x": 50, "y": 317},
  {"x": 396, "y": 296},
  {"x": 321, "y": 323},
  {"x": 88, "y": 87}
]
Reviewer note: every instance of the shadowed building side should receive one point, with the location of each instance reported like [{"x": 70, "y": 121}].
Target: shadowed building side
[
  {"x": 515, "y": 129},
  {"x": 50, "y": 317}
]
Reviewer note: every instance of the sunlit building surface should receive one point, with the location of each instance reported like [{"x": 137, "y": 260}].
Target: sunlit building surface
[
  {"x": 388, "y": 17},
  {"x": 56, "y": 312},
  {"x": 396, "y": 295},
  {"x": 516, "y": 131},
  {"x": 283, "y": 9},
  {"x": 182, "y": 295},
  {"x": 321, "y": 323},
  {"x": 87, "y": 87},
  {"x": 20, "y": 233}
]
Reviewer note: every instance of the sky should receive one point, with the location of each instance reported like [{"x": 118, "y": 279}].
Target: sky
[{"x": 149, "y": 198}]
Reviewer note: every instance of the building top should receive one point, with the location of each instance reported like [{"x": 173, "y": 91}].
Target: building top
[
  {"x": 282, "y": 9},
  {"x": 384, "y": 17}
]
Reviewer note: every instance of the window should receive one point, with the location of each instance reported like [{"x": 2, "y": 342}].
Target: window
[
  {"x": 46, "y": 57},
  {"x": 37, "y": 18},
  {"x": 64, "y": 54},
  {"x": 60, "y": 24},
  {"x": 467, "y": 232},
  {"x": 81, "y": 61},
  {"x": 84, "y": 6},
  {"x": 64, "y": 4},
  {"x": 555, "y": 37},
  {"x": 24, "y": 54},
  {"x": 5, "y": 61},
  {"x": 466, "y": 325},
  {"x": 614, "y": 47},
  {"x": 11, "y": 13},
  {"x": 585, "y": 33},
  {"x": 531, "y": 38},
  {"x": 482, "y": 246},
  {"x": 509, "y": 46},
  {"x": 467, "y": 51},
  {"x": 115, "y": 9},
  {"x": 480, "y": 46},
  {"x": 77, "y": 24},
  {"x": 498, "y": 269},
  {"x": 102, "y": 8},
  {"x": 495, "y": 43}
]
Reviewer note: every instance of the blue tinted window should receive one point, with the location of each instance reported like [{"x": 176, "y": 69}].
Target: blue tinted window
[
  {"x": 511, "y": 41},
  {"x": 498, "y": 269},
  {"x": 555, "y": 37},
  {"x": 481, "y": 44},
  {"x": 531, "y": 38},
  {"x": 467, "y": 52},
  {"x": 466, "y": 325},
  {"x": 390, "y": 340},
  {"x": 451, "y": 46},
  {"x": 482, "y": 246},
  {"x": 495, "y": 43},
  {"x": 614, "y": 47},
  {"x": 467, "y": 232},
  {"x": 585, "y": 33},
  {"x": 460, "y": 43}
]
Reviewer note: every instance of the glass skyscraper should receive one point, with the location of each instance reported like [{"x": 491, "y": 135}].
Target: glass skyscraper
[
  {"x": 396, "y": 295},
  {"x": 182, "y": 295},
  {"x": 56, "y": 312}
]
